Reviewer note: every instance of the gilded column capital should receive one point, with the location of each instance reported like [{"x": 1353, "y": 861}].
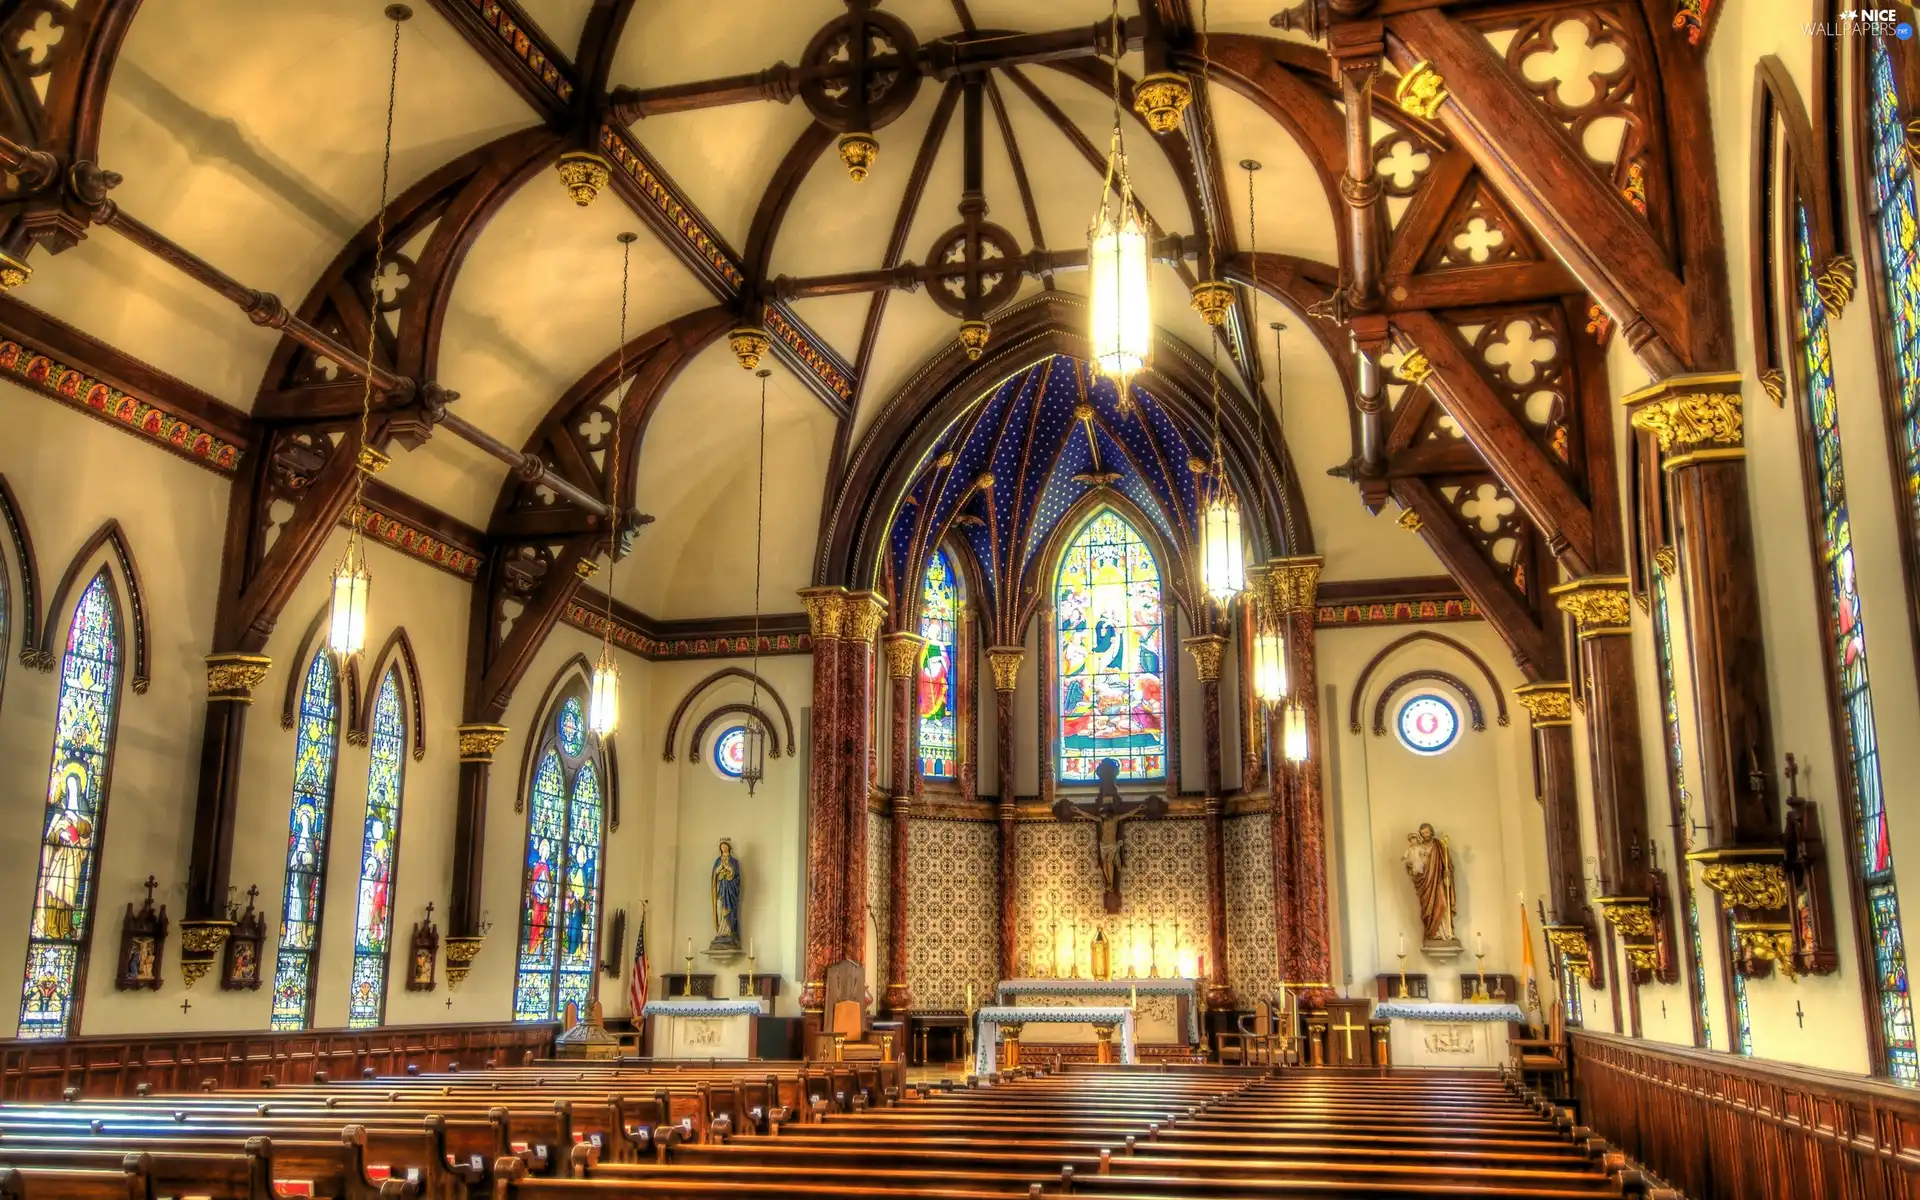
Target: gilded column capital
[
  {"x": 903, "y": 652},
  {"x": 233, "y": 677},
  {"x": 1631, "y": 915},
  {"x": 1571, "y": 942},
  {"x": 1005, "y": 661},
  {"x": 478, "y": 741},
  {"x": 1295, "y": 582},
  {"x": 864, "y": 614},
  {"x": 1746, "y": 878},
  {"x": 1421, "y": 91},
  {"x": 826, "y": 612},
  {"x": 1206, "y": 649},
  {"x": 1549, "y": 704},
  {"x": 1695, "y": 418},
  {"x": 1600, "y": 605},
  {"x": 1767, "y": 942}
]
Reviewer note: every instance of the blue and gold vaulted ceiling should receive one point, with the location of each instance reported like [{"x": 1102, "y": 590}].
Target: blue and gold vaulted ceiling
[{"x": 1006, "y": 471}]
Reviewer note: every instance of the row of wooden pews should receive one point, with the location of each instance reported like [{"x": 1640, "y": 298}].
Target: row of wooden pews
[{"x": 801, "y": 1131}]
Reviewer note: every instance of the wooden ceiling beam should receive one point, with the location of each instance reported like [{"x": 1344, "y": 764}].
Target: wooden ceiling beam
[
  {"x": 1550, "y": 502},
  {"x": 1536, "y": 650}
]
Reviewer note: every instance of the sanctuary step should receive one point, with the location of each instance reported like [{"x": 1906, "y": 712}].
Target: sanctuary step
[{"x": 602, "y": 1131}]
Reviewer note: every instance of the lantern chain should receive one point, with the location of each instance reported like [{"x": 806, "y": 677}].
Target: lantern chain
[{"x": 373, "y": 303}]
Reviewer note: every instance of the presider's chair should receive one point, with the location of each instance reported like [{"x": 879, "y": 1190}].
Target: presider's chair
[
  {"x": 845, "y": 985},
  {"x": 1543, "y": 1061}
]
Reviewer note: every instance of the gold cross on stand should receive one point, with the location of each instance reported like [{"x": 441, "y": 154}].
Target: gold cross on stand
[{"x": 1348, "y": 1030}]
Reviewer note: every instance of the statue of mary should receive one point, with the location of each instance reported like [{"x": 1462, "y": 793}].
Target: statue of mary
[{"x": 726, "y": 899}]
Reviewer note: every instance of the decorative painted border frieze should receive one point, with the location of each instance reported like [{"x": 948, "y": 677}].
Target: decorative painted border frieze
[
  {"x": 826, "y": 368},
  {"x": 652, "y": 646},
  {"x": 57, "y": 380},
  {"x": 408, "y": 539},
  {"x": 1397, "y": 612},
  {"x": 694, "y": 233},
  {"x": 513, "y": 31}
]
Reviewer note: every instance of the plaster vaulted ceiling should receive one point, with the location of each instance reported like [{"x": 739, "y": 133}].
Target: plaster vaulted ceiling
[{"x": 250, "y": 133}]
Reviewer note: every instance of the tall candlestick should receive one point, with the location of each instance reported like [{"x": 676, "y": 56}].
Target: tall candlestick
[{"x": 1403, "y": 945}]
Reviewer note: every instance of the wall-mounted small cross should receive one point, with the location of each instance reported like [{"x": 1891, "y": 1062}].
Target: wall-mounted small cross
[
  {"x": 1663, "y": 1010},
  {"x": 429, "y": 912},
  {"x": 253, "y": 893},
  {"x": 185, "y": 1005},
  {"x": 449, "y": 1001},
  {"x": 152, "y": 883},
  {"x": 1799, "y": 1015}
]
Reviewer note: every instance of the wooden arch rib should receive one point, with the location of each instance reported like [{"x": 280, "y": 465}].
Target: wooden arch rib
[
  {"x": 399, "y": 649},
  {"x": 1411, "y": 677},
  {"x": 740, "y": 710},
  {"x": 109, "y": 535},
  {"x": 16, "y": 521},
  {"x": 694, "y": 693},
  {"x": 349, "y": 699},
  {"x": 575, "y": 671},
  {"x": 1422, "y": 635},
  {"x": 884, "y": 465}
]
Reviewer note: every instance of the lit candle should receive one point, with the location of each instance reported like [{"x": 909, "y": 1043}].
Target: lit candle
[
  {"x": 689, "y": 947},
  {"x": 1403, "y": 945},
  {"x": 750, "y": 948},
  {"x": 1479, "y": 943}
]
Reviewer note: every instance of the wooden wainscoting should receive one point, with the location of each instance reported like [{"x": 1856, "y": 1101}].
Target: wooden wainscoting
[
  {"x": 114, "y": 1066},
  {"x": 1719, "y": 1126}
]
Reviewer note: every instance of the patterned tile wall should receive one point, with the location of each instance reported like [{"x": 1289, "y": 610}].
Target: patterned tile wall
[
  {"x": 879, "y": 889},
  {"x": 952, "y": 923},
  {"x": 1251, "y": 967},
  {"x": 1163, "y": 877}
]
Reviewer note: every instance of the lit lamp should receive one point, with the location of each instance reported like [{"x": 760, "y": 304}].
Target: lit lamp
[
  {"x": 753, "y": 765},
  {"x": 347, "y": 622},
  {"x": 1269, "y": 665},
  {"x": 1122, "y": 319},
  {"x": 1293, "y": 737},
  {"x": 1223, "y": 565},
  {"x": 603, "y": 697}
]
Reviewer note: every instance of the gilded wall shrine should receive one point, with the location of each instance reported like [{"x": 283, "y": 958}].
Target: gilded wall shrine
[
  {"x": 1163, "y": 879},
  {"x": 1252, "y": 970},
  {"x": 952, "y": 923}
]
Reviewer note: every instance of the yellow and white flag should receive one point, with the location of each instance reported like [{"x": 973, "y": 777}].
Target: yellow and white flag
[{"x": 1527, "y": 972}]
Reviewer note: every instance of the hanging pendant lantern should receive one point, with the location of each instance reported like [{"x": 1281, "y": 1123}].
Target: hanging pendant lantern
[
  {"x": 753, "y": 765},
  {"x": 1293, "y": 741},
  {"x": 1269, "y": 665},
  {"x": 1223, "y": 565},
  {"x": 347, "y": 620},
  {"x": 603, "y": 697},
  {"x": 1122, "y": 318}
]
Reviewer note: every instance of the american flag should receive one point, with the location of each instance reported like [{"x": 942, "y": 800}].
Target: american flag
[{"x": 637, "y": 986}]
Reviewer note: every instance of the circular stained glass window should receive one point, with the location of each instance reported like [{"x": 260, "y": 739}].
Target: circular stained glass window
[
  {"x": 1428, "y": 724},
  {"x": 730, "y": 752},
  {"x": 573, "y": 728}
]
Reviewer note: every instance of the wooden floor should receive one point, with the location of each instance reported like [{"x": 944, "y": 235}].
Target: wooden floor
[{"x": 804, "y": 1131}]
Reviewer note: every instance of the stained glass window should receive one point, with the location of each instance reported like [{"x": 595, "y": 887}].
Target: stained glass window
[
  {"x": 1898, "y": 219},
  {"x": 560, "y": 909},
  {"x": 1847, "y": 634},
  {"x": 1742, "y": 1015},
  {"x": 1111, "y": 636},
  {"x": 76, "y": 806},
  {"x": 315, "y": 749},
  {"x": 730, "y": 752},
  {"x": 1427, "y": 724},
  {"x": 1677, "y": 797},
  {"x": 373, "y": 928},
  {"x": 939, "y": 711}
]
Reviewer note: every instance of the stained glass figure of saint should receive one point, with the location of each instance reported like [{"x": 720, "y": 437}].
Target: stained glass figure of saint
[
  {"x": 367, "y": 991},
  {"x": 315, "y": 750},
  {"x": 1111, "y": 635},
  {"x": 939, "y": 714},
  {"x": 560, "y": 900}
]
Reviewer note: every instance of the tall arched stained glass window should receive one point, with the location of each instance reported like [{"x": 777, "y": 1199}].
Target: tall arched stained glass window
[
  {"x": 1897, "y": 217},
  {"x": 1111, "y": 635},
  {"x": 939, "y": 674},
  {"x": 1677, "y": 782},
  {"x": 560, "y": 900},
  {"x": 76, "y": 807},
  {"x": 373, "y": 926},
  {"x": 1847, "y": 639},
  {"x": 315, "y": 750}
]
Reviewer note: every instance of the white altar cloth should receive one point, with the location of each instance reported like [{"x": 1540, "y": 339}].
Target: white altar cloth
[
  {"x": 988, "y": 1020},
  {"x": 695, "y": 1027},
  {"x": 1427, "y": 1033},
  {"x": 1010, "y": 991}
]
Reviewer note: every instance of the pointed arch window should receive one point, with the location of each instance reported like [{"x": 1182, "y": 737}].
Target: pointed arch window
[
  {"x": 75, "y": 819},
  {"x": 939, "y": 675},
  {"x": 379, "y": 848},
  {"x": 309, "y": 829},
  {"x": 1110, "y": 639},
  {"x": 1896, "y": 218},
  {"x": 560, "y": 899},
  {"x": 1677, "y": 782},
  {"x": 1845, "y": 628}
]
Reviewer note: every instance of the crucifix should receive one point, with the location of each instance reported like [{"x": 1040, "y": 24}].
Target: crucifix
[
  {"x": 187, "y": 1004},
  {"x": 1799, "y": 1015},
  {"x": 1347, "y": 1029},
  {"x": 1108, "y": 810}
]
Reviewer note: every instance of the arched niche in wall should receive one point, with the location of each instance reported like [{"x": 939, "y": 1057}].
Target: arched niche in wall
[
  {"x": 1425, "y": 635},
  {"x": 719, "y": 712},
  {"x": 399, "y": 649},
  {"x": 712, "y": 681}
]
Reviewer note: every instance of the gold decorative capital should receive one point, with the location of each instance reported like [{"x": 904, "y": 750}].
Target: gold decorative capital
[
  {"x": 1768, "y": 943},
  {"x": 1773, "y": 381},
  {"x": 1547, "y": 703},
  {"x": 13, "y": 272},
  {"x": 479, "y": 741},
  {"x": 461, "y": 951},
  {"x": 1414, "y": 366},
  {"x": 586, "y": 568},
  {"x": 863, "y": 614},
  {"x": 234, "y": 676},
  {"x": 1693, "y": 417},
  {"x": 749, "y": 343},
  {"x": 1005, "y": 661},
  {"x": 1571, "y": 942},
  {"x": 372, "y": 462},
  {"x": 1212, "y": 299},
  {"x": 826, "y": 612},
  {"x": 583, "y": 173},
  {"x": 1206, "y": 649},
  {"x": 858, "y": 151},
  {"x": 1753, "y": 880},
  {"x": 1835, "y": 283},
  {"x": 1644, "y": 958},
  {"x": 1631, "y": 915},
  {"x": 1161, "y": 99},
  {"x": 903, "y": 652},
  {"x": 1421, "y": 91},
  {"x": 1667, "y": 561},
  {"x": 973, "y": 338},
  {"x": 200, "y": 944},
  {"x": 1410, "y": 521},
  {"x": 1295, "y": 581},
  {"x": 1600, "y": 605}
]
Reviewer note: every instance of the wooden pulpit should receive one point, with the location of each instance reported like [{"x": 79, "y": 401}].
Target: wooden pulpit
[{"x": 1349, "y": 1040}]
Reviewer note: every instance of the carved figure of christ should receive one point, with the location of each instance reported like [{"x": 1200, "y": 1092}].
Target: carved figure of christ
[{"x": 1109, "y": 811}]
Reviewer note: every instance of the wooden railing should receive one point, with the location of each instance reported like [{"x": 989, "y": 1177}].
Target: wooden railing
[
  {"x": 1719, "y": 1126},
  {"x": 116, "y": 1066}
]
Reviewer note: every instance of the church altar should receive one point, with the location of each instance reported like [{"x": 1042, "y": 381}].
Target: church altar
[
  {"x": 701, "y": 1028},
  {"x": 991, "y": 1019},
  {"x": 1158, "y": 1018},
  {"x": 1427, "y": 1033}
]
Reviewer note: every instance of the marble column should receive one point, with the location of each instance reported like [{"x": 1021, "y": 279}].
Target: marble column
[
  {"x": 904, "y": 651},
  {"x": 1569, "y": 925},
  {"x": 865, "y": 614},
  {"x": 1206, "y": 649},
  {"x": 826, "y": 621},
  {"x": 1005, "y": 661},
  {"x": 1295, "y": 585}
]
